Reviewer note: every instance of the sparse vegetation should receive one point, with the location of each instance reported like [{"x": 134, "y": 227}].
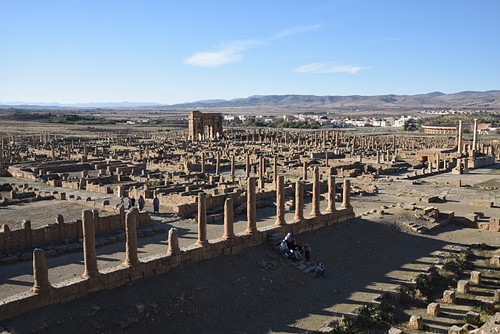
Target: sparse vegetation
[
  {"x": 368, "y": 317},
  {"x": 283, "y": 124},
  {"x": 58, "y": 118},
  {"x": 466, "y": 118}
]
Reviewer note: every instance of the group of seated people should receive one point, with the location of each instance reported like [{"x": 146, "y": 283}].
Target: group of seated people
[{"x": 294, "y": 251}]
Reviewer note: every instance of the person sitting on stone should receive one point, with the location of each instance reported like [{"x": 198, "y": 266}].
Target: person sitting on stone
[
  {"x": 290, "y": 241},
  {"x": 296, "y": 255},
  {"x": 284, "y": 248},
  {"x": 320, "y": 269}
]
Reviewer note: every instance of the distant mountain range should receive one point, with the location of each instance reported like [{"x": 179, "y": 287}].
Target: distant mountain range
[{"x": 488, "y": 100}]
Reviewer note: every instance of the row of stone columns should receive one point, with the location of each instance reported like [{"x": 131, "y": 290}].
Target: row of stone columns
[{"x": 91, "y": 271}]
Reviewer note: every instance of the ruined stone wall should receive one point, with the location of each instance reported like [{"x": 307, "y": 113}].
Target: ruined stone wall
[
  {"x": 41, "y": 295},
  {"x": 14, "y": 240}
]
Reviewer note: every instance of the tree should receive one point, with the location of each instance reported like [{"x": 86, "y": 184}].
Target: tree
[{"x": 410, "y": 124}]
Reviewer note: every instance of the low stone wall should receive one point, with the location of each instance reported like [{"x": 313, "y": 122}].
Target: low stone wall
[
  {"x": 26, "y": 237},
  {"x": 45, "y": 294}
]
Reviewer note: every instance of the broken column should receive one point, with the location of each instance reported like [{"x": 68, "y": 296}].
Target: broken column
[
  {"x": 131, "y": 218},
  {"x": 304, "y": 171},
  {"x": 315, "y": 211},
  {"x": 40, "y": 272},
  {"x": 346, "y": 194},
  {"x": 202, "y": 219},
  {"x": 173, "y": 242},
  {"x": 251, "y": 206},
  {"x": 89, "y": 252},
  {"x": 228, "y": 219},
  {"x": 280, "y": 201}
]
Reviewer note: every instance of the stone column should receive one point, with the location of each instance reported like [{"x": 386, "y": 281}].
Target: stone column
[
  {"x": 203, "y": 162},
  {"x": 251, "y": 206},
  {"x": 28, "y": 234},
  {"x": 233, "y": 167},
  {"x": 280, "y": 201},
  {"x": 247, "y": 166},
  {"x": 346, "y": 194},
  {"x": 459, "y": 138},
  {"x": 68, "y": 152},
  {"x": 217, "y": 165},
  {"x": 315, "y": 210},
  {"x": 262, "y": 167},
  {"x": 131, "y": 258},
  {"x": 173, "y": 242},
  {"x": 474, "y": 137},
  {"x": 40, "y": 272},
  {"x": 202, "y": 219},
  {"x": 228, "y": 219},
  {"x": 304, "y": 171},
  {"x": 275, "y": 172},
  {"x": 331, "y": 193},
  {"x": 89, "y": 253},
  {"x": 299, "y": 201}
]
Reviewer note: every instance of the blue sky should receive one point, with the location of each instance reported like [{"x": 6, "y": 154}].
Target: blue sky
[{"x": 178, "y": 51}]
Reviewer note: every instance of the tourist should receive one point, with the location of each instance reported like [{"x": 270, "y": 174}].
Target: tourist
[
  {"x": 156, "y": 205},
  {"x": 296, "y": 255},
  {"x": 284, "y": 248},
  {"x": 141, "y": 202},
  {"x": 290, "y": 241},
  {"x": 307, "y": 252},
  {"x": 320, "y": 269},
  {"x": 131, "y": 202}
]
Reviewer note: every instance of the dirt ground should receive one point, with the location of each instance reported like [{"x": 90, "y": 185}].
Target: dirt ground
[{"x": 258, "y": 291}]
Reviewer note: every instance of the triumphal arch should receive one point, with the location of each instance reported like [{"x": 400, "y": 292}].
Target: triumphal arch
[{"x": 204, "y": 125}]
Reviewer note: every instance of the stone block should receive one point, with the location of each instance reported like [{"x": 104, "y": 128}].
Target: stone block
[
  {"x": 475, "y": 276},
  {"x": 394, "y": 330},
  {"x": 463, "y": 287},
  {"x": 488, "y": 306},
  {"x": 472, "y": 217},
  {"x": 481, "y": 204},
  {"x": 496, "y": 296},
  {"x": 449, "y": 297},
  {"x": 416, "y": 322},
  {"x": 456, "y": 330},
  {"x": 472, "y": 318},
  {"x": 394, "y": 296},
  {"x": 433, "y": 309}
]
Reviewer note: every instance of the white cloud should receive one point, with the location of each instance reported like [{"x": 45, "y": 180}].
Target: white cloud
[
  {"x": 229, "y": 53},
  {"x": 233, "y": 52},
  {"x": 296, "y": 30},
  {"x": 327, "y": 68}
]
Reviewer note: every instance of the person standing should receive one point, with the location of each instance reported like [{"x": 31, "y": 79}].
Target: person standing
[
  {"x": 307, "y": 252},
  {"x": 156, "y": 205},
  {"x": 141, "y": 203}
]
